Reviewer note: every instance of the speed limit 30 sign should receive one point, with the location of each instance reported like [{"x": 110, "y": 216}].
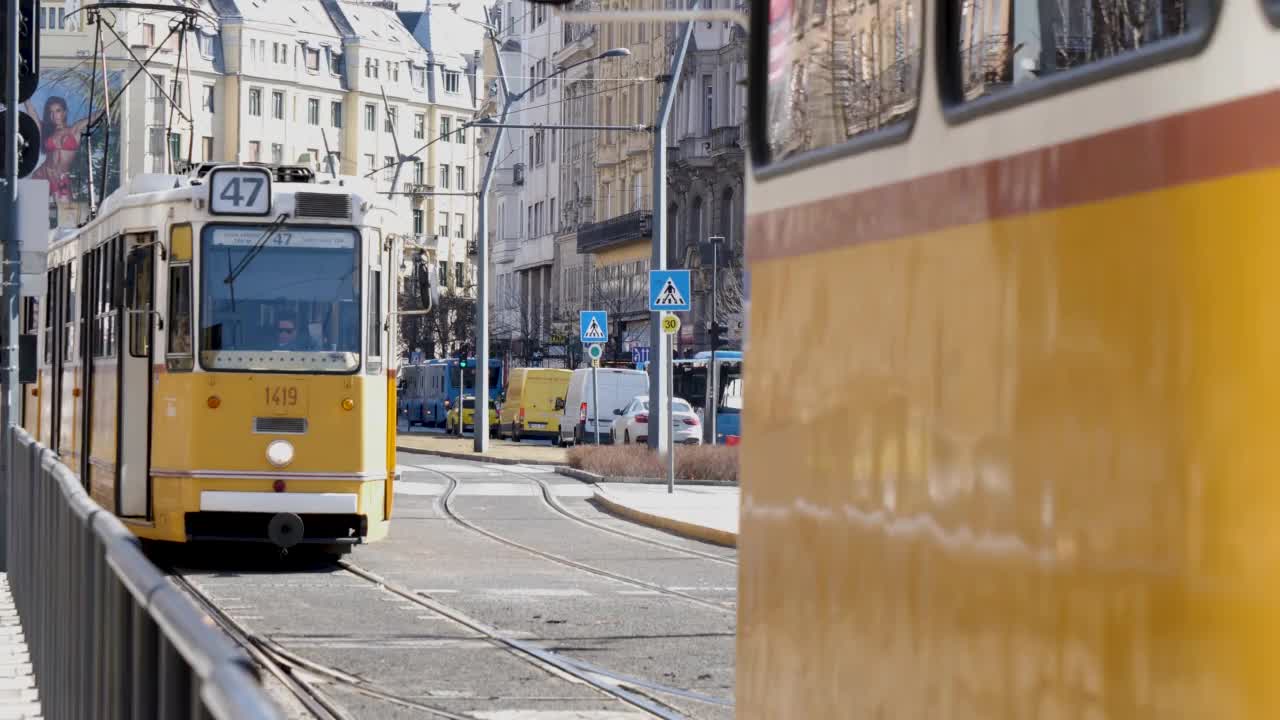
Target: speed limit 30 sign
[{"x": 670, "y": 323}]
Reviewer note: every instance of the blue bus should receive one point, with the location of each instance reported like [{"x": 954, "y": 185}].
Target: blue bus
[
  {"x": 689, "y": 380},
  {"x": 424, "y": 389}
]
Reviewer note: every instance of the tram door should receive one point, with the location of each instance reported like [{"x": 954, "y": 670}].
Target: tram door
[{"x": 134, "y": 438}]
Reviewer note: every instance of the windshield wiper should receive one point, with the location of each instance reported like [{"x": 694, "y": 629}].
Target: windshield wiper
[{"x": 240, "y": 267}]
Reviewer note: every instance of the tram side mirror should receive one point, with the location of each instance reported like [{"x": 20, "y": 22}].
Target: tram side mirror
[{"x": 617, "y": 411}]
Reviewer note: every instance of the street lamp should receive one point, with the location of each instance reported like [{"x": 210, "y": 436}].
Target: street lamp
[{"x": 482, "y": 241}]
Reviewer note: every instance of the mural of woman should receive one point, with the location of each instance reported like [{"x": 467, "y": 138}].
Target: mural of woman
[{"x": 59, "y": 143}]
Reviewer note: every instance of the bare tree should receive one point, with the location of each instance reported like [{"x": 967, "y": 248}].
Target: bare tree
[{"x": 620, "y": 290}]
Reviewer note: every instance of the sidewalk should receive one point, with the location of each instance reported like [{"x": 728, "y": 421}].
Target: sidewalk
[
  {"x": 701, "y": 512},
  {"x": 18, "y": 695},
  {"x": 500, "y": 451}
]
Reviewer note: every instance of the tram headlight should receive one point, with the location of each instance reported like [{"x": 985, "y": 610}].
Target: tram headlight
[{"x": 280, "y": 453}]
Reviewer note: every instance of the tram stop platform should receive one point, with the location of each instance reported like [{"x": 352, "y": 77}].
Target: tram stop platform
[
  {"x": 701, "y": 512},
  {"x": 19, "y": 698}
]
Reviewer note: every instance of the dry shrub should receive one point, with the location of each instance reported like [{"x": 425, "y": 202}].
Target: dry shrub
[{"x": 693, "y": 462}]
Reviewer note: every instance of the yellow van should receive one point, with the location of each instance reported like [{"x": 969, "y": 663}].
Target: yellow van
[{"x": 531, "y": 403}]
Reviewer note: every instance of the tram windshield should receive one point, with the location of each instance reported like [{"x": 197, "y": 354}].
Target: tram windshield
[{"x": 285, "y": 301}]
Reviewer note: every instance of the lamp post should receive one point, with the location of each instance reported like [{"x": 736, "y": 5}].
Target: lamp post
[{"x": 482, "y": 243}]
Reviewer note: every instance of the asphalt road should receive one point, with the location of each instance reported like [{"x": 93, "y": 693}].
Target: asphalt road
[{"x": 656, "y": 617}]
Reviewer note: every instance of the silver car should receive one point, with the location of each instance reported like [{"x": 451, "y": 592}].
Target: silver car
[{"x": 632, "y": 423}]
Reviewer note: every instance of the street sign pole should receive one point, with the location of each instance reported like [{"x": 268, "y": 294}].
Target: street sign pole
[
  {"x": 595, "y": 400},
  {"x": 671, "y": 446}
]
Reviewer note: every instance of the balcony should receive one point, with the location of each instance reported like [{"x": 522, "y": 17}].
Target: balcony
[
  {"x": 639, "y": 143},
  {"x": 702, "y": 150},
  {"x": 594, "y": 237}
]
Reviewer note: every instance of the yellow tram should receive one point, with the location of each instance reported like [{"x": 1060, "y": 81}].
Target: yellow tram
[
  {"x": 217, "y": 357},
  {"x": 1023, "y": 466}
]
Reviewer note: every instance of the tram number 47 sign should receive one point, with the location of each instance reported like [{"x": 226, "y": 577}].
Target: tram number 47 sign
[
  {"x": 239, "y": 191},
  {"x": 670, "y": 324}
]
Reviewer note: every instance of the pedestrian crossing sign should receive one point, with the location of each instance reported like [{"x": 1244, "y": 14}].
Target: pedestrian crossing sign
[
  {"x": 593, "y": 326},
  {"x": 669, "y": 290}
]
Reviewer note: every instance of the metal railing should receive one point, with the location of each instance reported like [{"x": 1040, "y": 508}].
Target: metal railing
[{"x": 109, "y": 636}]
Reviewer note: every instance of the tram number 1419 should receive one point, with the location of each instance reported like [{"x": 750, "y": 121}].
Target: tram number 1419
[{"x": 281, "y": 396}]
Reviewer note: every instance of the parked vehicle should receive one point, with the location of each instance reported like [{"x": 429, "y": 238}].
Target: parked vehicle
[
  {"x": 468, "y": 416},
  {"x": 531, "y": 403},
  {"x": 631, "y": 424},
  {"x": 615, "y": 387}
]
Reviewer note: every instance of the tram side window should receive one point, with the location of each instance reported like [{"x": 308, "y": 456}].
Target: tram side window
[
  {"x": 998, "y": 51},
  {"x": 838, "y": 69},
  {"x": 50, "y": 293},
  {"x": 375, "y": 318},
  {"x": 138, "y": 286},
  {"x": 179, "y": 356},
  {"x": 70, "y": 276}
]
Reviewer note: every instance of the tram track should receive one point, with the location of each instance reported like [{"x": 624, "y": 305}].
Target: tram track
[
  {"x": 305, "y": 678},
  {"x": 445, "y": 505},
  {"x": 549, "y": 497}
]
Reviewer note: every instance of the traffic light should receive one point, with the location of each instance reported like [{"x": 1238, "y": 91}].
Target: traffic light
[
  {"x": 716, "y": 333},
  {"x": 27, "y": 56}
]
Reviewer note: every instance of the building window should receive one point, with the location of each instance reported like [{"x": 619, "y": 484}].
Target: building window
[
  {"x": 419, "y": 173},
  {"x": 206, "y": 102},
  {"x": 313, "y": 111},
  {"x": 336, "y": 64},
  {"x": 368, "y": 163},
  {"x": 459, "y": 279},
  {"x": 462, "y": 177},
  {"x": 417, "y": 76},
  {"x": 389, "y": 168},
  {"x": 446, "y": 127},
  {"x": 206, "y": 148},
  {"x": 395, "y": 72},
  {"x": 148, "y": 34},
  {"x": 277, "y": 153},
  {"x": 389, "y": 123},
  {"x": 370, "y": 68},
  {"x": 335, "y": 112},
  {"x": 255, "y": 102},
  {"x": 444, "y": 225},
  {"x": 452, "y": 81},
  {"x": 205, "y": 43},
  {"x": 277, "y": 105},
  {"x": 419, "y": 126},
  {"x": 255, "y": 151},
  {"x": 444, "y": 177},
  {"x": 551, "y": 217},
  {"x": 461, "y": 135},
  {"x": 371, "y": 118},
  {"x": 312, "y": 57},
  {"x": 460, "y": 225},
  {"x": 417, "y": 221}
]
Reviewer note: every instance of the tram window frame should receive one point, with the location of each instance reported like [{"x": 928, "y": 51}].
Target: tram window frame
[
  {"x": 140, "y": 298},
  {"x": 763, "y": 165},
  {"x": 957, "y": 111},
  {"x": 70, "y": 340},
  {"x": 373, "y": 345},
  {"x": 178, "y": 308},
  {"x": 50, "y": 306}
]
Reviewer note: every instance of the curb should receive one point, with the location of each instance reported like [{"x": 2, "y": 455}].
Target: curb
[
  {"x": 679, "y": 527},
  {"x": 589, "y": 477},
  {"x": 473, "y": 457}
]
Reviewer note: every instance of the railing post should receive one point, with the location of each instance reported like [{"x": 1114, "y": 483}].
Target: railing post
[{"x": 143, "y": 668}]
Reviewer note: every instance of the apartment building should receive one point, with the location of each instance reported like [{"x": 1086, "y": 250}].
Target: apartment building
[
  {"x": 527, "y": 184},
  {"x": 332, "y": 84}
]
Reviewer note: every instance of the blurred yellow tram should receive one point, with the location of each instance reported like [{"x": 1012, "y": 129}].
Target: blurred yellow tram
[
  {"x": 216, "y": 357},
  {"x": 1026, "y": 464}
]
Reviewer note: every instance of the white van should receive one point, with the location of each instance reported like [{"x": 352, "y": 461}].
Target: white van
[{"x": 616, "y": 387}]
